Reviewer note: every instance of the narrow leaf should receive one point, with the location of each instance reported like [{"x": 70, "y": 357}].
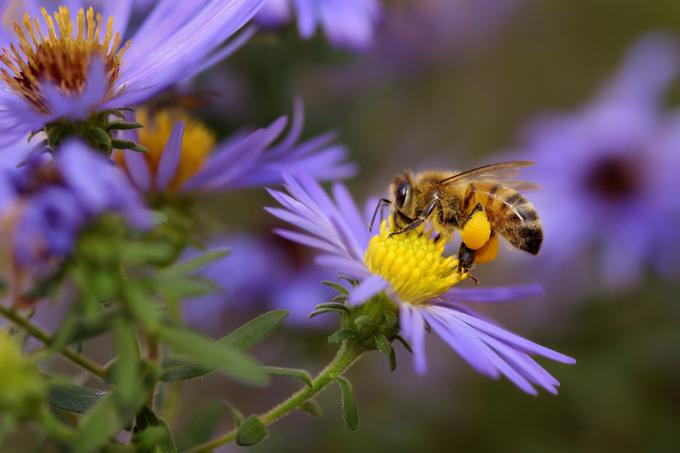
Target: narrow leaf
[
  {"x": 126, "y": 371},
  {"x": 197, "y": 262},
  {"x": 213, "y": 355},
  {"x": 241, "y": 339},
  {"x": 251, "y": 432},
  {"x": 312, "y": 408},
  {"x": 302, "y": 375},
  {"x": 349, "y": 408},
  {"x": 98, "y": 425},
  {"x": 73, "y": 398},
  {"x": 200, "y": 427}
]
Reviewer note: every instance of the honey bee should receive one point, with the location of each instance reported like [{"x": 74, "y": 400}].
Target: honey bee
[{"x": 448, "y": 200}]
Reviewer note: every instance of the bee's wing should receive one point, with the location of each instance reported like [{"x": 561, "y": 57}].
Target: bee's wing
[
  {"x": 522, "y": 186},
  {"x": 503, "y": 171}
]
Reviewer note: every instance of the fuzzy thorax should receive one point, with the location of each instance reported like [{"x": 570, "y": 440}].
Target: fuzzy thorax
[
  {"x": 413, "y": 263},
  {"x": 61, "y": 55}
]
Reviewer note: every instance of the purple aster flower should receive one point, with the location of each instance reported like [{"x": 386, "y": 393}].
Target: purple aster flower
[
  {"x": 46, "y": 201},
  {"x": 609, "y": 172},
  {"x": 71, "y": 61},
  {"x": 258, "y": 273},
  {"x": 348, "y": 24},
  {"x": 412, "y": 272},
  {"x": 184, "y": 157}
]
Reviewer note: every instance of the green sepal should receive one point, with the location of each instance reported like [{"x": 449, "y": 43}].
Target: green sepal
[
  {"x": 251, "y": 432},
  {"x": 117, "y": 143},
  {"x": 349, "y": 408},
  {"x": 72, "y": 398},
  {"x": 312, "y": 408},
  {"x": 404, "y": 343},
  {"x": 383, "y": 344},
  {"x": 124, "y": 126},
  {"x": 316, "y": 313},
  {"x": 99, "y": 138},
  {"x": 336, "y": 286},
  {"x": 333, "y": 306},
  {"x": 177, "y": 368},
  {"x": 302, "y": 375},
  {"x": 151, "y": 434},
  {"x": 341, "y": 335}
]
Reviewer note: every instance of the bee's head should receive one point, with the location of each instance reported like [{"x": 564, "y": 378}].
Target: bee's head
[{"x": 402, "y": 194}]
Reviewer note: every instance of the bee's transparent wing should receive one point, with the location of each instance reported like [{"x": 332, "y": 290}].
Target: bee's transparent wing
[{"x": 500, "y": 172}]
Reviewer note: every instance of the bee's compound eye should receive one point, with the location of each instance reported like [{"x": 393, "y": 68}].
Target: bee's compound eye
[{"x": 401, "y": 193}]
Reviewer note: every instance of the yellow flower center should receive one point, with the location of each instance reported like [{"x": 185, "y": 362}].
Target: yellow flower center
[
  {"x": 61, "y": 57},
  {"x": 413, "y": 263},
  {"x": 197, "y": 144}
]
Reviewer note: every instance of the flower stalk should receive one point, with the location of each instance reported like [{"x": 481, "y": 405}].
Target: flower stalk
[
  {"x": 346, "y": 356},
  {"x": 45, "y": 338}
]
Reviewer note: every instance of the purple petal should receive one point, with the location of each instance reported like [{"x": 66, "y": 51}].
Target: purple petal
[
  {"x": 367, "y": 289},
  {"x": 172, "y": 154}
]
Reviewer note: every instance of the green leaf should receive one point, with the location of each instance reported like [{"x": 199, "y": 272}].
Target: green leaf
[
  {"x": 302, "y": 375},
  {"x": 152, "y": 434},
  {"x": 341, "y": 335},
  {"x": 312, "y": 408},
  {"x": 141, "y": 305},
  {"x": 200, "y": 427},
  {"x": 349, "y": 408},
  {"x": 197, "y": 262},
  {"x": 241, "y": 339},
  {"x": 126, "y": 372},
  {"x": 236, "y": 415},
  {"x": 98, "y": 425},
  {"x": 213, "y": 355},
  {"x": 251, "y": 432},
  {"x": 72, "y": 398}
]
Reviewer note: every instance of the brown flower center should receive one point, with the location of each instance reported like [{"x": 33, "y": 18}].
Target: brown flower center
[
  {"x": 62, "y": 56},
  {"x": 614, "y": 178}
]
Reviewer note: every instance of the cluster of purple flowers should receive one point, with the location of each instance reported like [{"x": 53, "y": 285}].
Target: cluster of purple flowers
[{"x": 608, "y": 173}]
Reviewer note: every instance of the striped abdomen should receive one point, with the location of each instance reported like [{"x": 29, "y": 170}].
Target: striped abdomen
[{"x": 510, "y": 214}]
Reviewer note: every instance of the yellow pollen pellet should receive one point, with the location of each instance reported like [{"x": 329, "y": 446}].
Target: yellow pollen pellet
[
  {"x": 476, "y": 231},
  {"x": 488, "y": 252}
]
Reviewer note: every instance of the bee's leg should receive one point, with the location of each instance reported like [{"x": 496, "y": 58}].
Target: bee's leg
[
  {"x": 421, "y": 218},
  {"x": 378, "y": 208},
  {"x": 466, "y": 258},
  {"x": 478, "y": 207}
]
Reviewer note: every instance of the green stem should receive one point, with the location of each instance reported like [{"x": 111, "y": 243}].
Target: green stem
[
  {"x": 345, "y": 358},
  {"x": 45, "y": 338},
  {"x": 154, "y": 356}
]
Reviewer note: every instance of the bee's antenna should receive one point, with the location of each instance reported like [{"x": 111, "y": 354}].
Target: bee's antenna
[{"x": 382, "y": 202}]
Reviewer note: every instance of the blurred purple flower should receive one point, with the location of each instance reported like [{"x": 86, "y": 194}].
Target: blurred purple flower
[
  {"x": 177, "y": 40},
  {"x": 46, "y": 201},
  {"x": 609, "y": 172},
  {"x": 188, "y": 161},
  {"x": 257, "y": 274},
  {"x": 338, "y": 229},
  {"x": 348, "y": 24}
]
